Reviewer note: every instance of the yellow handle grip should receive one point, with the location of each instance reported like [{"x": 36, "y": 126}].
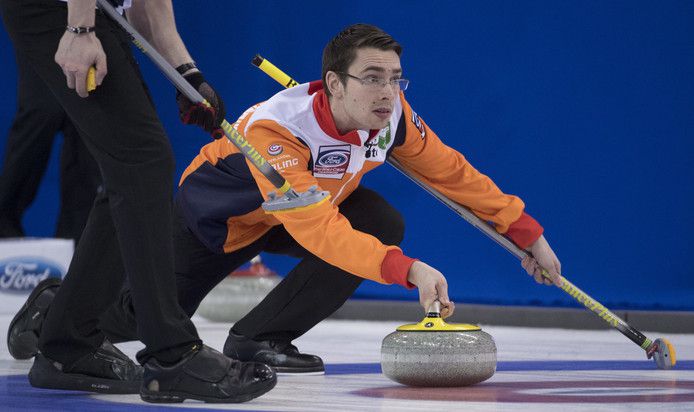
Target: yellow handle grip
[
  {"x": 277, "y": 74},
  {"x": 91, "y": 79}
]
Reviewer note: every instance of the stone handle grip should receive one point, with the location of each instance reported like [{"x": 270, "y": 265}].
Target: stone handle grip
[{"x": 435, "y": 307}]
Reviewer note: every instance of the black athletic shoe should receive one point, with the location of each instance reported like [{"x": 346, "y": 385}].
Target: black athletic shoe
[
  {"x": 107, "y": 370},
  {"x": 206, "y": 375},
  {"x": 282, "y": 356},
  {"x": 24, "y": 330}
]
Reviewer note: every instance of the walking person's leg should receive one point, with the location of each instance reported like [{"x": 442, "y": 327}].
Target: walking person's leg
[
  {"x": 80, "y": 179},
  {"x": 39, "y": 117},
  {"x": 123, "y": 133},
  {"x": 198, "y": 271}
]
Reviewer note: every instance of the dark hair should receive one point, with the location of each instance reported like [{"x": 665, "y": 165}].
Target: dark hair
[{"x": 341, "y": 51}]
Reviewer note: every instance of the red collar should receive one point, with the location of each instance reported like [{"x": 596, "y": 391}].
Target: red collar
[{"x": 321, "y": 109}]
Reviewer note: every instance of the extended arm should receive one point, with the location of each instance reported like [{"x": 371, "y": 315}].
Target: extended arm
[{"x": 154, "y": 20}]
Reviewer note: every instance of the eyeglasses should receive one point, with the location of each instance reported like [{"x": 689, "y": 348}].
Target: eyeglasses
[{"x": 374, "y": 82}]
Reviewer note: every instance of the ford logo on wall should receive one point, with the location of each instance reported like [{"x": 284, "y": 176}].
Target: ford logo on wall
[
  {"x": 333, "y": 159},
  {"x": 22, "y": 274}
]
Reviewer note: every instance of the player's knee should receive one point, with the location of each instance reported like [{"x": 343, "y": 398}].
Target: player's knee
[
  {"x": 389, "y": 226},
  {"x": 369, "y": 212}
]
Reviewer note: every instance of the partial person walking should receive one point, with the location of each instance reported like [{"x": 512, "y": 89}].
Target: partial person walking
[
  {"x": 129, "y": 229},
  {"x": 38, "y": 119}
]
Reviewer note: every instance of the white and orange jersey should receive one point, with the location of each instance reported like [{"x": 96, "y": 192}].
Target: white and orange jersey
[{"x": 221, "y": 193}]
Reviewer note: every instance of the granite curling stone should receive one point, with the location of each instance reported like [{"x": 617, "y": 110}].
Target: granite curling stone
[
  {"x": 238, "y": 293},
  {"x": 434, "y": 353}
]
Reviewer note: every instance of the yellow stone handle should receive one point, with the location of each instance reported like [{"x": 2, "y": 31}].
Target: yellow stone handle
[{"x": 91, "y": 79}]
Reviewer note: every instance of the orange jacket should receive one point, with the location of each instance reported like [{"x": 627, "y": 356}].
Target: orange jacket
[{"x": 220, "y": 192}]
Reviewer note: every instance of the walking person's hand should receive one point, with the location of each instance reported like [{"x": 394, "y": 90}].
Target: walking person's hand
[{"x": 75, "y": 55}]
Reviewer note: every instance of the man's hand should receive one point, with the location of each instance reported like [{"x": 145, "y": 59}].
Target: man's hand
[
  {"x": 76, "y": 54},
  {"x": 208, "y": 118},
  {"x": 432, "y": 286},
  {"x": 542, "y": 256}
]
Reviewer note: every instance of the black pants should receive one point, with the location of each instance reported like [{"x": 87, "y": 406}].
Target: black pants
[
  {"x": 310, "y": 292},
  {"x": 39, "y": 118},
  {"x": 129, "y": 229}
]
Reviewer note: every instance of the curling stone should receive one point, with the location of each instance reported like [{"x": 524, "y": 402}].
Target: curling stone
[
  {"x": 435, "y": 353},
  {"x": 238, "y": 293}
]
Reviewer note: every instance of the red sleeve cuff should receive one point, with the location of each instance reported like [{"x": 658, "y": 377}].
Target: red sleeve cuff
[
  {"x": 395, "y": 267},
  {"x": 524, "y": 231}
]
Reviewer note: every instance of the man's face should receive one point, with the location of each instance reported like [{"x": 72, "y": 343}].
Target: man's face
[{"x": 368, "y": 105}]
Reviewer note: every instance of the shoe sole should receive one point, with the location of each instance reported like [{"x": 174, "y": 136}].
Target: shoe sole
[
  {"x": 28, "y": 338},
  {"x": 298, "y": 372},
  {"x": 178, "y": 397},
  {"x": 44, "y": 374}
]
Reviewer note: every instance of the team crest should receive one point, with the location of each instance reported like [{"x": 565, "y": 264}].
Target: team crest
[
  {"x": 376, "y": 147},
  {"x": 384, "y": 138}
]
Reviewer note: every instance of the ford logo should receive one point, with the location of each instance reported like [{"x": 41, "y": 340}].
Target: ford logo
[
  {"x": 333, "y": 159},
  {"x": 22, "y": 274}
]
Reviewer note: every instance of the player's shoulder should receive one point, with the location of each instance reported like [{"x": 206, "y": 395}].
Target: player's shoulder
[{"x": 286, "y": 106}]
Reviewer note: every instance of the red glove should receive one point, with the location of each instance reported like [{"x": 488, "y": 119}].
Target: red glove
[{"x": 208, "y": 118}]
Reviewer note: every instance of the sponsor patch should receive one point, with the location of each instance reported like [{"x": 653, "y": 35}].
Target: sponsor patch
[
  {"x": 22, "y": 274},
  {"x": 332, "y": 161},
  {"x": 418, "y": 123}
]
